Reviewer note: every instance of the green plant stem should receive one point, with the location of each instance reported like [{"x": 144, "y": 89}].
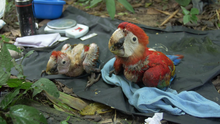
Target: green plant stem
[
  {"x": 20, "y": 65},
  {"x": 21, "y": 61},
  {"x": 4, "y": 115},
  {"x": 19, "y": 96}
]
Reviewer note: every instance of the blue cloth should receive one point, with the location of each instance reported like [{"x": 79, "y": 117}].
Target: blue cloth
[{"x": 150, "y": 99}]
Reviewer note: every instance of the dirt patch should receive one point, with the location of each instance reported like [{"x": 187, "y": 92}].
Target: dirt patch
[{"x": 154, "y": 12}]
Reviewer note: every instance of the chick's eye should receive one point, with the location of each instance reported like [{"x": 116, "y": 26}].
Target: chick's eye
[
  {"x": 64, "y": 62},
  {"x": 134, "y": 39}
]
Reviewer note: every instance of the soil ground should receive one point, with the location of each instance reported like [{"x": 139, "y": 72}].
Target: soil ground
[{"x": 154, "y": 12}]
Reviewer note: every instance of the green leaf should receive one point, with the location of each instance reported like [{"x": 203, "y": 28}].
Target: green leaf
[
  {"x": 4, "y": 76},
  {"x": 14, "y": 83},
  {"x": 8, "y": 98},
  {"x": 93, "y": 3},
  {"x": 126, "y": 5},
  {"x": 19, "y": 68},
  {"x": 20, "y": 76},
  {"x": 87, "y": 7},
  {"x": 183, "y": 2},
  {"x": 5, "y": 65},
  {"x": 110, "y": 6},
  {"x": 87, "y": 2},
  {"x": 22, "y": 114},
  {"x": 185, "y": 12},
  {"x": 18, "y": 83},
  {"x": 36, "y": 91},
  {"x": 82, "y": 0},
  {"x": 26, "y": 85},
  {"x": 218, "y": 24},
  {"x": 81, "y": 4},
  {"x": 5, "y": 59},
  {"x": 194, "y": 18},
  {"x": 194, "y": 11},
  {"x": 65, "y": 121},
  {"x": 2, "y": 121},
  {"x": 122, "y": 13},
  {"x": 4, "y": 38},
  {"x": 13, "y": 47},
  {"x": 29, "y": 53},
  {"x": 186, "y": 19},
  {"x": 67, "y": 118},
  {"x": 46, "y": 85},
  {"x": 147, "y": 5},
  {"x": 9, "y": 5}
]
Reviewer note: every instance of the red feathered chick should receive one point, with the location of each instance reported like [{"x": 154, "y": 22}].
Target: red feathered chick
[{"x": 138, "y": 62}]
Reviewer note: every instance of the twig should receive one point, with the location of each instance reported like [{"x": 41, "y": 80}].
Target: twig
[
  {"x": 217, "y": 14},
  {"x": 171, "y": 16},
  {"x": 115, "y": 119},
  {"x": 212, "y": 17},
  {"x": 216, "y": 25},
  {"x": 139, "y": 4},
  {"x": 204, "y": 28},
  {"x": 165, "y": 12}
]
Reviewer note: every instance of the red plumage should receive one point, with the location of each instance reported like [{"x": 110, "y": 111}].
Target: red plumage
[
  {"x": 54, "y": 53},
  {"x": 142, "y": 36},
  {"x": 136, "y": 60}
]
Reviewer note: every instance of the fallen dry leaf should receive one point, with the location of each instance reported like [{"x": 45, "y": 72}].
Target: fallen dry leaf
[
  {"x": 96, "y": 118},
  {"x": 152, "y": 11},
  {"x": 95, "y": 108},
  {"x": 16, "y": 32},
  {"x": 106, "y": 121},
  {"x": 7, "y": 34},
  {"x": 67, "y": 90}
]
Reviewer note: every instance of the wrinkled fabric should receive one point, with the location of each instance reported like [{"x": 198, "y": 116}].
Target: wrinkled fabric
[
  {"x": 41, "y": 40},
  {"x": 151, "y": 99}
]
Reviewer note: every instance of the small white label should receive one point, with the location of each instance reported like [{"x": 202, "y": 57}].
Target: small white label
[{"x": 88, "y": 36}]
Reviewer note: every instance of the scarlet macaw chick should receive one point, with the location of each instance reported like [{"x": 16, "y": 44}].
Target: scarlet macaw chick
[
  {"x": 73, "y": 60},
  {"x": 138, "y": 62}
]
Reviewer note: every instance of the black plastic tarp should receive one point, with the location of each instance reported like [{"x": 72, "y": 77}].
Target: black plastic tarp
[{"x": 199, "y": 66}]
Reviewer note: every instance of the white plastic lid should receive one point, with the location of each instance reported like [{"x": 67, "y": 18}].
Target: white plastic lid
[{"x": 61, "y": 23}]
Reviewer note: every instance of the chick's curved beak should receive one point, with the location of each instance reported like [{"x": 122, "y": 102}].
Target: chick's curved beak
[
  {"x": 51, "y": 67},
  {"x": 116, "y": 42}
]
